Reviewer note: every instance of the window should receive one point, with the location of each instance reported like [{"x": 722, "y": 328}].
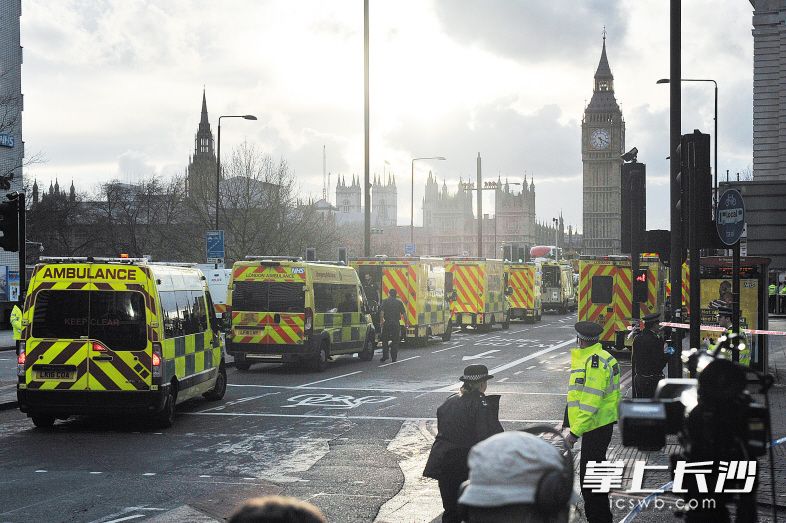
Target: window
[
  {"x": 330, "y": 297},
  {"x": 169, "y": 314},
  {"x": 602, "y": 287},
  {"x": 184, "y": 313},
  {"x": 115, "y": 318},
  {"x": 551, "y": 276},
  {"x": 199, "y": 310},
  {"x": 268, "y": 297}
]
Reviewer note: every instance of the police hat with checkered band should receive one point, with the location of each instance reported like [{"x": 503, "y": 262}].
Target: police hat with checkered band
[
  {"x": 476, "y": 373},
  {"x": 588, "y": 330}
]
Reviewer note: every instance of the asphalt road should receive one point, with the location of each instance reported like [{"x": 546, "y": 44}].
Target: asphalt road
[{"x": 352, "y": 440}]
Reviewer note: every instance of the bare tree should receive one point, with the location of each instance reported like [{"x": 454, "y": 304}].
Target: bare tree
[{"x": 61, "y": 224}]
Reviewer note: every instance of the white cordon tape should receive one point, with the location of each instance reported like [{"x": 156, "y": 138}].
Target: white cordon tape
[{"x": 718, "y": 328}]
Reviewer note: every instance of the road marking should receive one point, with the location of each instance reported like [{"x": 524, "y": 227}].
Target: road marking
[
  {"x": 333, "y": 378},
  {"x": 96, "y": 473},
  {"x": 149, "y": 474},
  {"x": 135, "y": 516},
  {"x": 399, "y": 361},
  {"x": 502, "y": 380},
  {"x": 449, "y": 348},
  {"x": 40, "y": 471},
  {"x": 204, "y": 476},
  {"x": 528, "y": 368},
  {"x": 481, "y": 355},
  {"x": 325, "y": 416},
  {"x": 414, "y": 391},
  {"x": 514, "y": 363}
]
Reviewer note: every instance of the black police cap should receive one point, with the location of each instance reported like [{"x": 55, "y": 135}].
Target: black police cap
[
  {"x": 588, "y": 330},
  {"x": 651, "y": 318}
]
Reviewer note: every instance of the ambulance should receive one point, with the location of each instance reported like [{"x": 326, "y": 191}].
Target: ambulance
[
  {"x": 421, "y": 283},
  {"x": 558, "y": 291},
  {"x": 525, "y": 281},
  {"x": 284, "y": 309},
  {"x": 607, "y": 289},
  {"x": 217, "y": 281},
  {"x": 116, "y": 335},
  {"x": 481, "y": 289}
]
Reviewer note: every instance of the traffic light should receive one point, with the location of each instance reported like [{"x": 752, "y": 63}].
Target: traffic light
[
  {"x": 311, "y": 254},
  {"x": 9, "y": 225},
  {"x": 696, "y": 159},
  {"x": 507, "y": 252},
  {"x": 633, "y": 202}
]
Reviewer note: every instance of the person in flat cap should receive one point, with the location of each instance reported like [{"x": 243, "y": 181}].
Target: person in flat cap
[
  {"x": 592, "y": 409},
  {"x": 648, "y": 358},
  {"x": 465, "y": 419}
]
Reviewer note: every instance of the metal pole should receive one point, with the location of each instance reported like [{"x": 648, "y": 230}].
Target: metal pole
[
  {"x": 735, "y": 293},
  {"x": 635, "y": 250},
  {"x": 412, "y": 205},
  {"x": 218, "y": 171},
  {"x": 675, "y": 259},
  {"x": 22, "y": 252},
  {"x": 480, "y": 211},
  {"x": 715, "y": 168},
  {"x": 366, "y": 180}
]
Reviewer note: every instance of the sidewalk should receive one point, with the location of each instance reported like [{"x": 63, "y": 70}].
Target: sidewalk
[{"x": 657, "y": 478}]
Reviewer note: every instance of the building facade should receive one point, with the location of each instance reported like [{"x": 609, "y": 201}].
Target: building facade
[
  {"x": 602, "y": 143},
  {"x": 201, "y": 170},
  {"x": 12, "y": 147},
  {"x": 384, "y": 201}
]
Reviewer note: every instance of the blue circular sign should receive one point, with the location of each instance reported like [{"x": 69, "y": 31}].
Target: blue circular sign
[{"x": 730, "y": 216}]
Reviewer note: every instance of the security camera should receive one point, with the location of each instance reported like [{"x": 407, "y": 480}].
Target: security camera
[{"x": 630, "y": 156}]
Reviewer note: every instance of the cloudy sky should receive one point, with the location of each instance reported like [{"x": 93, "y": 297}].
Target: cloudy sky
[{"x": 113, "y": 88}]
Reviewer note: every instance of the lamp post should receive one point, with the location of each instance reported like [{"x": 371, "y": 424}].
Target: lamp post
[
  {"x": 556, "y": 238},
  {"x": 412, "y": 196},
  {"x": 218, "y": 154},
  {"x": 715, "y": 168}
]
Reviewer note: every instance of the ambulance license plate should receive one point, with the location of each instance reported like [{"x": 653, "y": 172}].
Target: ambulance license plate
[{"x": 54, "y": 372}]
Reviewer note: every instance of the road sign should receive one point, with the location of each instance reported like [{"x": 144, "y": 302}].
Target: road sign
[
  {"x": 214, "y": 240},
  {"x": 730, "y": 216},
  {"x": 409, "y": 249}
]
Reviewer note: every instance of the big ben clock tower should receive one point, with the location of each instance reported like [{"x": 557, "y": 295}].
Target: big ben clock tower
[{"x": 602, "y": 143}]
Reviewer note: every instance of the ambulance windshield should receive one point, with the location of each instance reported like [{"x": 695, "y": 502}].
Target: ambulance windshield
[
  {"x": 115, "y": 318},
  {"x": 268, "y": 296}
]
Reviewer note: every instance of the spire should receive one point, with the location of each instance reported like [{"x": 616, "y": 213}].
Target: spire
[
  {"x": 72, "y": 192},
  {"x": 394, "y": 180},
  {"x": 203, "y": 120},
  {"x": 604, "y": 80},
  {"x": 57, "y": 187}
]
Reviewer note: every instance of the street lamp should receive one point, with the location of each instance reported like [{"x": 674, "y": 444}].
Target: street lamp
[
  {"x": 412, "y": 196},
  {"x": 218, "y": 154},
  {"x": 556, "y": 238},
  {"x": 715, "y": 169}
]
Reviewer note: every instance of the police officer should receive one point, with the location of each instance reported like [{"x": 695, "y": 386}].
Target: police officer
[
  {"x": 372, "y": 299},
  {"x": 392, "y": 311},
  {"x": 730, "y": 337},
  {"x": 16, "y": 325},
  {"x": 771, "y": 291},
  {"x": 648, "y": 358},
  {"x": 464, "y": 419},
  {"x": 593, "y": 401}
]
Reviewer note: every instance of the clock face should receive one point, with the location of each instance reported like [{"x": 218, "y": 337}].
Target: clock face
[{"x": 600, "y": 139}]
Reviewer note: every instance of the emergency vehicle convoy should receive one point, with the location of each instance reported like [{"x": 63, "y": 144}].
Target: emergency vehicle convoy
[
  {"x": 481, "y": 288},
  {"x": 421, "y": 283},
  {"x": 525, "y": 281},
  {"x": 116, "y": 335},
  {"x": 607, "y": 290},
  {"x": 558, "y": 293},
  {"x": 284, "y": 309}
]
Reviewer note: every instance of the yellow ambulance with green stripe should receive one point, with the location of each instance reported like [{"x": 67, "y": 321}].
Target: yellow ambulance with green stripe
[
  {"x": 481, "y": 287},
  {"x": 116, "y": 336},
  {"x": 284, "y": 309},
  {"x": 421, "y": 283}
]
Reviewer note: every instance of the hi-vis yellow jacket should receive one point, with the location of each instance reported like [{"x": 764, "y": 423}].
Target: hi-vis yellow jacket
[{"x": 593, "y": 390}]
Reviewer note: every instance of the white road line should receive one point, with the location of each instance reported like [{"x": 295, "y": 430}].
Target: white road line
[
  {"x": 529, "y": 368},
  {"x": 241, "y": 400},
  {"x": 135, "y": 516},
  {"x": 328, "y": 379},
  {"x": 449, "y": 348},
  {"x": 372, "y": 418},
  {"x": 399, "y": 361},
  {"x": 481, "y": 355},
  {"x": 502, "y": 380},
  {"x": 372, "y": 389},
  {"x": 514, "y": 363}
]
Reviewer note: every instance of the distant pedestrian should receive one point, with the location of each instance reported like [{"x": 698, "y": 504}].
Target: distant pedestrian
[
  {"x": 648, "y": 358},
  {"x": 16, "y": 325},
  {"x": 463, "y": 420},
  {"x": 277, "y": 509},
  {"x": 771, "y": 292},
  {"x": 593, "y": 403},
  {"x": 782, "y": 298},
  {"x": 392, "y": 312}
]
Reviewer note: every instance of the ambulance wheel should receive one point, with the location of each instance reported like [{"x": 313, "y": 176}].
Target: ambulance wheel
[
  {"x": 220, "y": 388},
  {"x": 242, "y": 366},
  {"x": 506, "y": 323},
  {"x": 368, "y": 350},
  {"x": 319, "y": 363},
  {"x": 43, "y": 422},
  {"x": 166, "y": 417},
  {"x": 448, "y": 332}
]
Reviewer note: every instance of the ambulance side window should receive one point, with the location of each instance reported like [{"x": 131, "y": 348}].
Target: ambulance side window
[
  {"x": 185, "y": 314},
  {"x": 199, "y": 310},
  {"x": 601, "y": 289},
  {"x": 169, "y": 313}
]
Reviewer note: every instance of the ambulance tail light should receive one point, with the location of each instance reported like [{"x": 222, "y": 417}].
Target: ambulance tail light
[
  {"x": 156, "y": 360},
  {"x": 308, "y": 324},
  {"x": 97, "y": 347},
  {"x": 20, "y": 359}
]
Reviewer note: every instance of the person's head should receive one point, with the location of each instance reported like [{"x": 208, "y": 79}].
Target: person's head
[
  {"x": 652, "y": 321},
  {"x": 516, "y": 476},
  {"x": 367, "y": 278},
  {"x": 475, "y": 378},
  {"x": 277, "y": 509},
  {"x": 724, "y": 287},
  {"x": 587, "y": 333},
  {"x": 392, "y": 293},
  {"x": 724, "y": 317}
]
